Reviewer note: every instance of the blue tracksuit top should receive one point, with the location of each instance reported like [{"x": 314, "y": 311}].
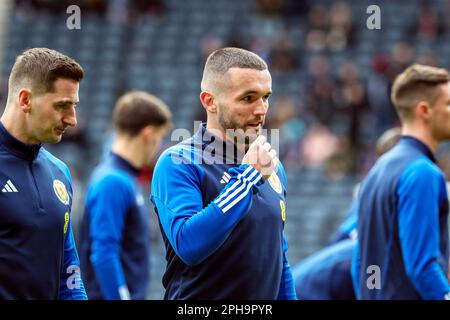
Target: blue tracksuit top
[
  {"x": 402, "y": 227},
  {"x": 347, "y": 229},
  {"x": 325, "y": 275},
  {"x": 222, "y": 224},
  {"x": 114, "y": 243},
  {"x": 38, "y": 257}
]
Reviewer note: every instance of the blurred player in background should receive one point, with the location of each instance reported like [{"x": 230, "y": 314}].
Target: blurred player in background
[
  {"x": 37, "y": 250},
  {"x": 326, "y": 274},
  {"x": 115, "y": 236},
  {"x": 220, "y": 197},
  {"x": 348, "y": 227},
  {"x": 402, "y": 249}
]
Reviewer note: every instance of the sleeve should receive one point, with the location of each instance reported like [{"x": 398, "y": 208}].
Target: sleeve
[
  {"x": 355, "y": 270},
  {"x": 356, "y": 260},
  {"x": 108, "y": 204},
  {"x": 71, "y": 285},
  {"x": 194, "y": 231},
  {"x": 279, "y": 168},
  {"x": 348, "y": 227},
  {"x": 418, "y": 222},
  {"x": 287, "y": 284}
]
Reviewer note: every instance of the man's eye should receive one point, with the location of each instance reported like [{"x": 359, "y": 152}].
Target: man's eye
[
  {"x": 266, "y": 97},
  {"x": 65, "y": 105},
  {"x": 247, "y": 99}
]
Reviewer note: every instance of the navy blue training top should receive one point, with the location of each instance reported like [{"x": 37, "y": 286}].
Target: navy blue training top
[
  {"x": 38, "y": 257},
  {"x": 402, "y": 227},
  {"x": 222, "y": 223},
  {"x": 114, "y": 244},
  {"x": 325, "y": 275}
]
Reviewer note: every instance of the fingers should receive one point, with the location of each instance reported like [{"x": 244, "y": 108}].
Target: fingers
[
  {"x": 272, "y": 154},
  {"x": 266, "y": 154},
  {"x": 266, "y": 146},
  {"x": 260, "y": 140},
  {"x": 261, "y": 156},
  {"x": 276, "y": 164}
]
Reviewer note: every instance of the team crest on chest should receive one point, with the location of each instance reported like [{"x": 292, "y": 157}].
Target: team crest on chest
[
  {"x": 283, "y": 210},
  {"x": 275, "y": 183},
  {"x": 66, "y": 222},
  {"x": 61, "y": 191}
]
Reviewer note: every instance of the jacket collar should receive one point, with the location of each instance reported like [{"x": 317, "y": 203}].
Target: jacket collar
[
  {"x": 24, "y": 151},
  {"x": 123, "y": 164},
  {"x": 214, "y": 146},
  {"x": 419, "y": 145}
]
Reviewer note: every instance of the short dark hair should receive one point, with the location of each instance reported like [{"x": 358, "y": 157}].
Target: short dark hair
[
  {"x": 135, "y": 110},
  {"x": 221, "y": 60},
  {"x": 417, "y": 83},
  {"x": 41, "y": 67}
]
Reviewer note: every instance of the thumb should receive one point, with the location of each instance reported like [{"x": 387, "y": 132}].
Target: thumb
[
  {"x": 254, "y": 155},
  {"x": 276, "y": 164}
]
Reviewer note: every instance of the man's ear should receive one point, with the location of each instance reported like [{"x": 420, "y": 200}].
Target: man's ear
[
  {"x": 423, "y": 110},
  {"x": 148, "y": 132},
  {"x": 25, "y": 100},
  {"x": 207, "y": 100}
]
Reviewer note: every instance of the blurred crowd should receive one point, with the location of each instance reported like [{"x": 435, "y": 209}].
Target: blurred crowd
[
  {"x": 339, "y": 110},
  {"x": 118, "y": 11}
]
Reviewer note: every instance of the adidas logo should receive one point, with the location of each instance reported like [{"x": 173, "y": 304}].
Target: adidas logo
[
  {"x": 9, "y": 187},
  {"x": 225, "y": 178}
]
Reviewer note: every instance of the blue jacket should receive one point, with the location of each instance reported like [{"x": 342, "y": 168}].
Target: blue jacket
[
  {"x": 402, "y": 227},
  {"x": 325, "y": 275},
  {"x": 38, "y": 257},
  {"x": 347, "y": 229},
  {"x": 115, "y": 233},
  {"x": 222, "y": 224}
]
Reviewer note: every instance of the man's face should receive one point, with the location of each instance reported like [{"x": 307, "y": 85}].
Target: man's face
[
  {"x": 51, "y": 113},
  {"x": 243, "y": 101},
  {"x": 440, "y": 119}
]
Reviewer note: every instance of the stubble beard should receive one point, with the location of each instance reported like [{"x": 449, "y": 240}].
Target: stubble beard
[{"x": 240, "y": 134}]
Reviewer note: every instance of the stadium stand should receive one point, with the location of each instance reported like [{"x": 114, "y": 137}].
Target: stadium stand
[{"x": 321, "y": 56}]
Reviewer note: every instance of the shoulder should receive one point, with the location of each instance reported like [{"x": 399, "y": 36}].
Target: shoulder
[
  {"x": 109, "y": 178},
  {"x": 185, "y": 152},
  {"x": 421, "y": 173},
  {"x": 56, "y": 163},
  {"x": 422, "y": 168},
  {"x": 184, "y": 157}
]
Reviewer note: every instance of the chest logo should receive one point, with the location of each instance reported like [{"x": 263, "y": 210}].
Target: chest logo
[
  {"x": 9, "y": 187},
  {"x": 283, "y": 210},
  {"x": 61, "y": 191},
  {"x": 275, "y": 183},
  {"x": 66, "y": 222},
  {"x": 225, "y": 178}
]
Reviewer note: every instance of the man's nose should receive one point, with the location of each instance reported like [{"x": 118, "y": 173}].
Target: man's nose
[
  {"x": 261, "y": 107},
  {"x": 70, "y": 118}
]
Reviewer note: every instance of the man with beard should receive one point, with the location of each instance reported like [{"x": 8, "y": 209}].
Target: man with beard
[{"x": 220, "y": 195}]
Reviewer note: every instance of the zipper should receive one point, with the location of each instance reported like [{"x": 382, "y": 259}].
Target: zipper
[{"x": 36, "y": 195}]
